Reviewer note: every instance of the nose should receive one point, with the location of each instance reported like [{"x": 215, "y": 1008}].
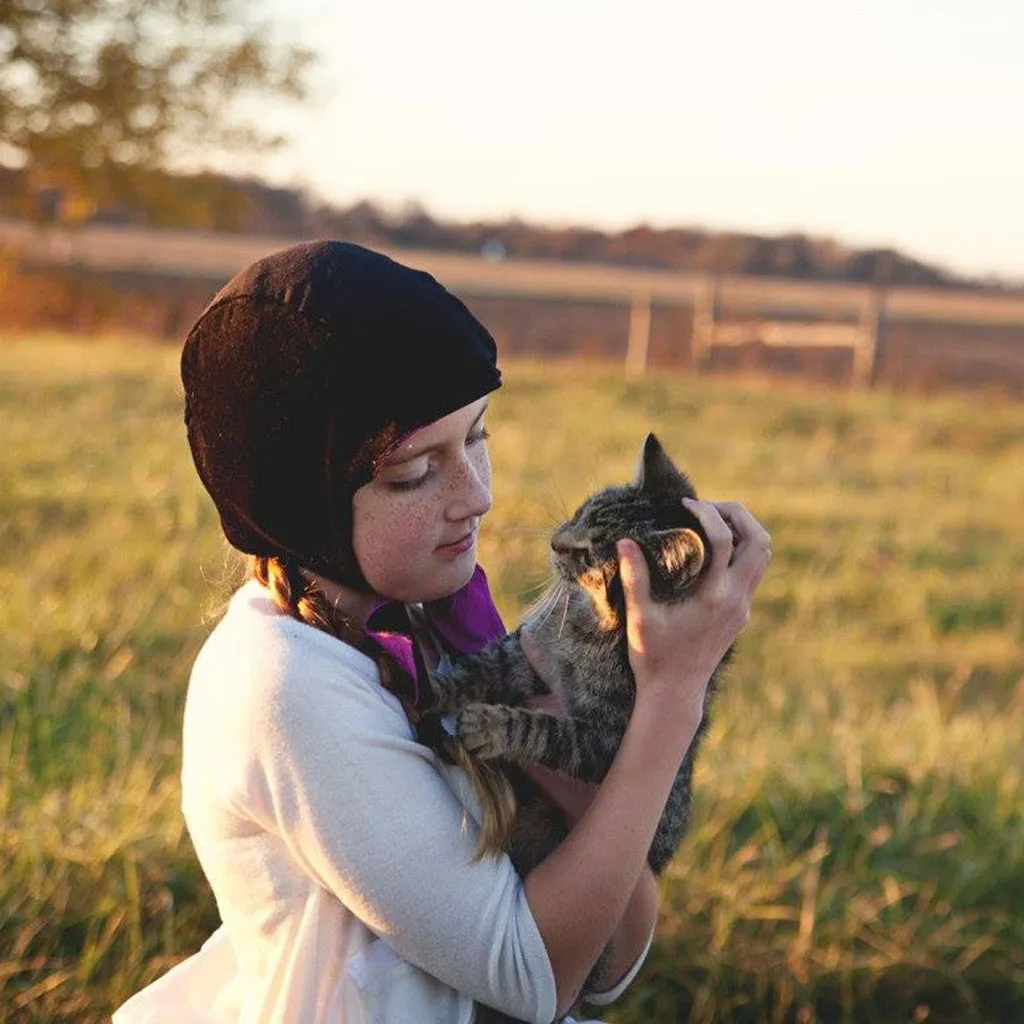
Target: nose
[
  {"x": 566, "y": 541},
  {"x": 471, "y": 493}
]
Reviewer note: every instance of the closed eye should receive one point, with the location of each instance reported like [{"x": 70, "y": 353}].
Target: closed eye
[
  {"x": 476, "y": 437},
  {"x": 409, "y": 485}
]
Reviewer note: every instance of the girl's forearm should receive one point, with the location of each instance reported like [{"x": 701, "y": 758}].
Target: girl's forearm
[
  {"x": 580, "y": 893},
  {"x": 631, "y": 935}
]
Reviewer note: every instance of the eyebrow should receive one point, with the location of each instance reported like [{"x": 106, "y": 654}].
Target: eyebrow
[{"x": 386, "y": 462}]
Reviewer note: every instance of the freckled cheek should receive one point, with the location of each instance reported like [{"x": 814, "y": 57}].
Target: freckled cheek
[
  {"x": 414, "y": 531},
  {"x": 390, "y": 544},
  {"x": 483, "y": 469}
]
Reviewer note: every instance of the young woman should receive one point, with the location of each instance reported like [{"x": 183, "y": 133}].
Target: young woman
[{"x": 335, "y": 405}]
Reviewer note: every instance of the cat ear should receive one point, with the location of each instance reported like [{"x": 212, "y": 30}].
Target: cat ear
[
  {"x": 657, "y": 473},
  {"x": 678, "y": 553}
]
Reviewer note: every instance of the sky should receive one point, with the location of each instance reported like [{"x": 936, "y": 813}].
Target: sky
[{"x": 879, "y": 123}]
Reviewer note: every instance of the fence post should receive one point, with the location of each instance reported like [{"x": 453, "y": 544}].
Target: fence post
[
  {"x": 704, "y": 307},
  {"x": 639, "y": 334},
  {"x": 866, "y": 351}
]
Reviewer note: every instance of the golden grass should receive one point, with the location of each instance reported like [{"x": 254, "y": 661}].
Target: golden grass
[{"x": 858, "y": 845}]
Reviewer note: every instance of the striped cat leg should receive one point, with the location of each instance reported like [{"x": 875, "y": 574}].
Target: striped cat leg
[
  {"x": 499, "y": 673},
  {"x": 523, "y": 735}
]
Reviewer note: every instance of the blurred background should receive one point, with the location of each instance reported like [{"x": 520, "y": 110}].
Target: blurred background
[
  {"x": 717, "y": 155},
  {"x": 789, "y": 238}
]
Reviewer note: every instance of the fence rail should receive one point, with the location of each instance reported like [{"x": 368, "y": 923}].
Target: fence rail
[{"x": 729, "y": 311}]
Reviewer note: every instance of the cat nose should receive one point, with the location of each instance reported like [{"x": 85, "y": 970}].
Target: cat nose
[{"x": 567, "y": 542}]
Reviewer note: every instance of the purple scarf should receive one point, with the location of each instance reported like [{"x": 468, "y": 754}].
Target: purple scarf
[{"x": 465, "y": 621}]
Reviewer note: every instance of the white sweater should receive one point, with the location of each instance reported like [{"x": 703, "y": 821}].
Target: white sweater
[{"x": 338, "y": 848}]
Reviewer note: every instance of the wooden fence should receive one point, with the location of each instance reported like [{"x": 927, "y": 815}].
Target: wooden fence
[{"x": 728, "y": 313}]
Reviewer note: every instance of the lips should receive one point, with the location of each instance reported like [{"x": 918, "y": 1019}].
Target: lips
[{"x": 460, "y": 544}]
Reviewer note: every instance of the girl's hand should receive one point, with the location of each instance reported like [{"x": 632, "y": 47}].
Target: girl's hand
[{"x": 674, "y": 649}]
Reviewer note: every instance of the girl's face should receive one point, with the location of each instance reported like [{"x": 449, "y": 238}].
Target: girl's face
[{"x": 414, "y": 525}]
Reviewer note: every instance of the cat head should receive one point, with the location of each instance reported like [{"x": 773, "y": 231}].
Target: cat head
[{"x": 650, "y": 511}]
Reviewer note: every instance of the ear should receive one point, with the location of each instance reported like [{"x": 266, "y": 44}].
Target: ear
[
  {"x": 679, "y": 553},
  {"x": 657, "y": 473}
]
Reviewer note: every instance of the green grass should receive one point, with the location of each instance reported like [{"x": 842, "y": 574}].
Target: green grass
[{"x": 857, "y": 852}]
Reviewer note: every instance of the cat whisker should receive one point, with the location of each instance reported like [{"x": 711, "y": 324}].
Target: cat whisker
[
  {"x": 552, "y": 598},
  {"x": 565, "y": 612},
  {"x": 535, "y": 608},
  {"x": 552, "y": 602},
  {"x": 539, "y": 531},
  {"x": 541, "y": 600},
  {"x": 561, "y": 499},
  {"x": 535, "y": 611},
  {"x": 536, "y": 588}
]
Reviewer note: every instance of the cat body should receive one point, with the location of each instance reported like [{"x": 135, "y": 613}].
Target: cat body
[{"x": 580, "y": 628}]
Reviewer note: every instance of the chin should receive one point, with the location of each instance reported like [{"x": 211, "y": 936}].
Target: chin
[
  {"x": 454, "y": 576},
  {"x": 447, "y": 578}
]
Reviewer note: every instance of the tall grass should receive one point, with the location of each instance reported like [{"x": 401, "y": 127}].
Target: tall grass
[{"x": 857, "y": 851}]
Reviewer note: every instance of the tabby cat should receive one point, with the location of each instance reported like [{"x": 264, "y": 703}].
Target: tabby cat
[{"x": 580, "y": 627}]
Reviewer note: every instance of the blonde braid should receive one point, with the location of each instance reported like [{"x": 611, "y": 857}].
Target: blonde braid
[{"x": 297, "y": 597}]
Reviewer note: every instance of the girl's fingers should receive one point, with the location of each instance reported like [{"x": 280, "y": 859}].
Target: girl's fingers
[
  {"x": 753, "y": 544},
  {"x": 636, "y": 588},
  {"x": 751, "y": 562},
  {"x": 718, "y": 533},
  {"x": 743, "y": 525}
]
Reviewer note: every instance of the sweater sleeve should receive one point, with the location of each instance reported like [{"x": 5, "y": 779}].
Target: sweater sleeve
[{"x": 366, "y": 812}]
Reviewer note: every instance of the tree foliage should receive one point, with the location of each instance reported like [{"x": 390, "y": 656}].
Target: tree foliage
[{"x": 99, "y": 97}]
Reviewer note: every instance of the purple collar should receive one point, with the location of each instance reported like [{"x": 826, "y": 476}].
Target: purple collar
[{"x": 465, "y": 621}]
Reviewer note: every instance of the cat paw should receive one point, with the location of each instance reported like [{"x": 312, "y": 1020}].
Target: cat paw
[{"x": 483, "y": 730}]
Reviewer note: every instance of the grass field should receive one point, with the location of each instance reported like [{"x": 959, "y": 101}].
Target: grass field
[{"x": 858, "y": 846}]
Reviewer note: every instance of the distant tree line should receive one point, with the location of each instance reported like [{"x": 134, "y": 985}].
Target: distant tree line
[{"x": 253, "y": 207}]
